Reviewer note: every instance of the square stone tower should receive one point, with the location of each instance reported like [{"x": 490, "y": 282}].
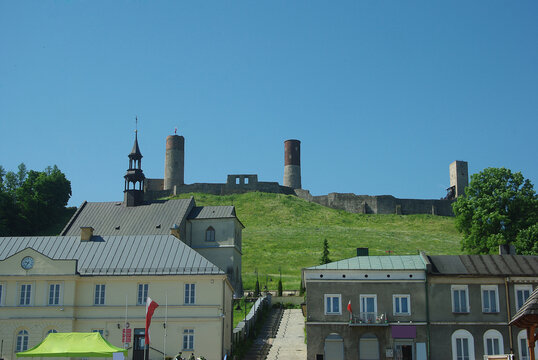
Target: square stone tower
[{"x": 459, "y": 176}]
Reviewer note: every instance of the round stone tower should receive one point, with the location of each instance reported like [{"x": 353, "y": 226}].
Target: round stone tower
[
  {"x": 292, "y": 163},
  {"x": 174, "y": 162}
]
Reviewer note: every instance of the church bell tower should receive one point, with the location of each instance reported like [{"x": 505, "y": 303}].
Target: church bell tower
[{"x": 133, "y": 194}]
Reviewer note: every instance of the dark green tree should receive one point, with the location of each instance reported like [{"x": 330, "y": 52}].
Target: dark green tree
[
  {"x": 30, "y": 201},
  {"x": 497, "y": 205},
  {"x": 279, "y": 287},
  {"x": 325, "y": 254},
  {"x": 257, "y": 291},
  {"x": 527, "y": 241}
]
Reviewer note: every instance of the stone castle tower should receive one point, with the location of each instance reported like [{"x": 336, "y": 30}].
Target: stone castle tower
[
  {"x": 174, "y": 162},
  {"x": 459, "y": 177},
  {"x": 292, "y": 164}
]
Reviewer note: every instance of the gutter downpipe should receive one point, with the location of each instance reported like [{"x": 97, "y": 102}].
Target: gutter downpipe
[
  {"x": 427, "y": 315},
  {"x": 509, "y": 315},
  {"x": 428, "y": 265}
]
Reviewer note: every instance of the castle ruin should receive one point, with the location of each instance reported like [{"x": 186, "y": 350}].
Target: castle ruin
[{"x": 174, "y": 170}]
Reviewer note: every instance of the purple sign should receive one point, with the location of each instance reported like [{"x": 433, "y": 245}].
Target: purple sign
[{"x": 404, "y": 331}]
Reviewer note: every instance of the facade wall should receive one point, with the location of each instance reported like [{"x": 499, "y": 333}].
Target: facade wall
[
  {"x": 320, "y": 325},
  {"x": 445, "y": 322},
  {"x": 210, "y": 316},
  {"x": 225, "y": 251}
]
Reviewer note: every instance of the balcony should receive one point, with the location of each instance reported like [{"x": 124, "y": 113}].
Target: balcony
[{"x": 369, "y": 319}]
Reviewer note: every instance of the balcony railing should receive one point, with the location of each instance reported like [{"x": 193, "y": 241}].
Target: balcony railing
[{"x": 369, "y": 318}]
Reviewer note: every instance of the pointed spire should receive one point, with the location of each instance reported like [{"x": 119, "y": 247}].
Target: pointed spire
[{"x": 135, "y": 152}]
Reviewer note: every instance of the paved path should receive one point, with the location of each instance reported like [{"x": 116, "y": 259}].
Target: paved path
[{"x": 289, "y": 341}]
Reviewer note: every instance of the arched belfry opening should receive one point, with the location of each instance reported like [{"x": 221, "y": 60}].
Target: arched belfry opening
[{"x": 134, "y": 178}]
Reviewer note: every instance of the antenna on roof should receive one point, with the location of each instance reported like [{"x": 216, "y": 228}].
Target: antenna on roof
[{"x": 175, "y": 131}]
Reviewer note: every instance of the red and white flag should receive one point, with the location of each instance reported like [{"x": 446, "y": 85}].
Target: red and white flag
[
  {"x": 150, "y": 308},
  {"x": 349, "y": 306}
]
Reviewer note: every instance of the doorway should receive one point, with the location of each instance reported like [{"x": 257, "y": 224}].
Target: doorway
[
  {"x": 139, "y": 346},
  {"x": 403, "y": 350}
]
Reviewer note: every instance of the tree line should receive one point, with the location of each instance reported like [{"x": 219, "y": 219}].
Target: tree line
[{"x": 32, "y": 201}]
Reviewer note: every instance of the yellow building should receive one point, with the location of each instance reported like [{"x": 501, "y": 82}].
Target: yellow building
[{"x": 100, "y": 283}]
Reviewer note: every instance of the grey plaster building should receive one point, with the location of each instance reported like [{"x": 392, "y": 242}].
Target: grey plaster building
[{"x": 417, "y": 306}]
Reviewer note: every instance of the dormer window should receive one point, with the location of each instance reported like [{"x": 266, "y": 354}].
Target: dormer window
[{"x": 210, "y": 234}]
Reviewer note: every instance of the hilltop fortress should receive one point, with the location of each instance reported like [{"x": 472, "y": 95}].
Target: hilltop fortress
[{"x": 173, "y": 184}]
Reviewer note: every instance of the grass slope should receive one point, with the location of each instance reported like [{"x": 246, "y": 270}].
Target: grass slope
[{"x": 287, "y": 232}]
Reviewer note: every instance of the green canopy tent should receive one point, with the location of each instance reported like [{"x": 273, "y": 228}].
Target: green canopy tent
[{"x": 73, "y": 345}]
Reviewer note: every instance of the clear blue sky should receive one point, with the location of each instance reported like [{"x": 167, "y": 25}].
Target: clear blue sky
[{"x": 383, "y": 95}]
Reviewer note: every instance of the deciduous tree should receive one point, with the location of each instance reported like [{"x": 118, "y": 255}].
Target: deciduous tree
[{"x": 498, "y": 204}]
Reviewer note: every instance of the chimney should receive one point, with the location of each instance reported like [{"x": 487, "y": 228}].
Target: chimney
[
  {"x": 362, "y": 251},
  {"x": 86, "y": 233},
  {"x": 174, "y": 231},
  {"x": 507, "y": 249}
]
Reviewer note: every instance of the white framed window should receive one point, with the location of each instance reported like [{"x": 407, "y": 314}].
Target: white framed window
[
  {"x": 522, "y": 294},
  {"x": 523, "y": 346},
  {"x": 190, "y": 293},
  {"x": 462, "y": 345},
  {"x": 401, "y": 304},
  {"x": 99, "y": 298},
  {"x": 55, "y": 294},
  {"x": 210, "y": 234},
  {"x": 490, "y": 298},
  {"x": 142, "y": 294},
  {"x": 333, "y": 304},
  {"x": 188, "y": 339},
  {"x": 493, "y": 342},
  {"x": 22, "y": 341},
  {"x": 460, "y": 299},
  {"x": 368, "y": 307},
  {"x": 100, "y": 331},
  {"x": 25, "y": 294},
  {"x": 52, "y": 331}
]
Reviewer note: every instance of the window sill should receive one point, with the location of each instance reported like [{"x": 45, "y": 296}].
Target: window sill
[
  {"x": 461, "y": 312},
  {"x": 333, "y": 313}
]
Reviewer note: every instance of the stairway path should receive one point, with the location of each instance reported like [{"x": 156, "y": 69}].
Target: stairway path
[
  {"x": 261, "y": 345},
  {"x": 289, "y": 342}
]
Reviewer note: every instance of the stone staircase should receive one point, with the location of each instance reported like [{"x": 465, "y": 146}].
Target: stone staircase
[{"x": 262, "y": 344}]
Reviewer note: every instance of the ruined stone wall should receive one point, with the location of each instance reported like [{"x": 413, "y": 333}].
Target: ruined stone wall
[
  {"x": 153, "y": 193},
  {"x": 381, "y": 204}
]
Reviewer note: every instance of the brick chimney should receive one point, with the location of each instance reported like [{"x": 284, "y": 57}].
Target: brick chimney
[{"x": 86, "y": 233}]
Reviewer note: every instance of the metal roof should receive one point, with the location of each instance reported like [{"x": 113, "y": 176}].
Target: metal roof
[
  {"x": 489, "y": 265},
  {"x": 114, "y": 218},
  {"x": 116, "y": 255},
  {"x": 212, "y": 212},
  {"x": 393, "y": 262},
  {"x": 527, "y": 316}
]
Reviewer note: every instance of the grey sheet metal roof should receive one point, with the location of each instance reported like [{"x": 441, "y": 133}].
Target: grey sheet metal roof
[
  {"x": 393, "y": 262},
  {"x": 116, "y": 255},
  {"x": 485, "y": 265},
  {"x": 212, "y": 212},
  {"x": 114, "y": 218}
]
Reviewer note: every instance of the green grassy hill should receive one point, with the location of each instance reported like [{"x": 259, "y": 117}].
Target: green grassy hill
[{"x": 287, "y": 232}]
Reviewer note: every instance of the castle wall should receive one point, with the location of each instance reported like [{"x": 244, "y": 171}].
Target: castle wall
[
  {"x": 381, "y": 204},
  {"x": 218, "y": 189}
]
